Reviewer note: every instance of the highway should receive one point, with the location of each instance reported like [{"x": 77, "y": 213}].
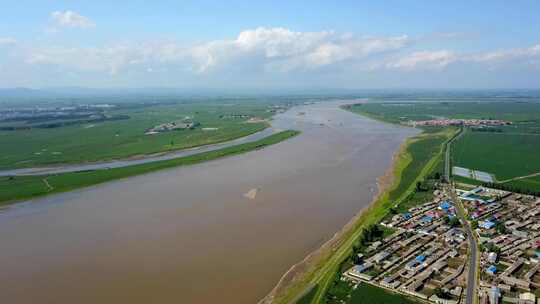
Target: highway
[{"x": 471, "y": 277}]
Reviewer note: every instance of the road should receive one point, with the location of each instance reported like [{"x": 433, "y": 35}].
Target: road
[
  {"x": 471, "y": 277},
  {"x": 447, "y": 168}
]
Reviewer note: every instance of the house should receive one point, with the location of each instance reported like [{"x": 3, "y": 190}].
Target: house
[
  {"x": 491, "y": 270},
  {"x": 527, "y": 298},
  {"x": 492, "y": 257},
  {"x": 420, "y": 258},
  {"x": 487, "y": 224},
  {"x": 445, "y": 205},
  {"x": 494, "y": 295}
]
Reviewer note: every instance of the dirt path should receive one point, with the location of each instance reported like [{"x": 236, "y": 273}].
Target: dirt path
[
  {"x": 519, "y": 177},
  {"x": 46, "y": 182}
]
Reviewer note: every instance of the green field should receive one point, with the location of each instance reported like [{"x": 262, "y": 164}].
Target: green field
[
  {"x": 506, "y": 151},
  {"x": 368, "y": 294},
  {"x": 505, "y": 155},
  {"x": 24, "y": 187},
  {"x": 123, "y": 138}
]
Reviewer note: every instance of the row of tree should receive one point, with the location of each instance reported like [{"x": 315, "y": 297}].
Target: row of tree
[{"x": 511, "y": 188}]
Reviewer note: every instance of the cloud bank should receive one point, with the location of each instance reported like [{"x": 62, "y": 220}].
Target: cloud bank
[{"x": 263, "y": 53}]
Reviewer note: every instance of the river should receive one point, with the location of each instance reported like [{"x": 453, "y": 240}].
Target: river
[{"x": 223, "y": 231}]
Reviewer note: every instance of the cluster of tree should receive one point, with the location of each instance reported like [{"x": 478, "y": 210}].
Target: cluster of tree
[
  {"x": 501, "y": 228},
  {"x": 452, "y": 221},
  {"x": 490, "y": 247},
  {"x": 368, "y": 235},
  {"x": 426, "y": 185},
  {"x": 443, "y": 293},
  {"x": 511, "y": 188},
  {"x": 489, "y": 129}
]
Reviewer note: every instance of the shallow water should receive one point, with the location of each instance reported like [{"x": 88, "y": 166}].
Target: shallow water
[{"x": 190, "y": 234}]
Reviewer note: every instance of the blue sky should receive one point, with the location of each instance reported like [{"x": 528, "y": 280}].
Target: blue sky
[{"x": 349, "y": 44}]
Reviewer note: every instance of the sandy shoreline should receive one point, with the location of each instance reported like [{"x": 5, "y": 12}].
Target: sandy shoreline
[{"x": 299, "y": 269}]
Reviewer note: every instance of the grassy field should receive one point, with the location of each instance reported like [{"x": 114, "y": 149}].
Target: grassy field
[
  {"x": 123, "y": 138},
  {"x": 418, "y": 158},
  {"x": 368, "y": 294},
  {"x": 24, "y": 187},
  {"x": 505, "y": 155}
]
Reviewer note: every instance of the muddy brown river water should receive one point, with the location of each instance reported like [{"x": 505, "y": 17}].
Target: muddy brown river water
[{"x": 218, "y": 232}]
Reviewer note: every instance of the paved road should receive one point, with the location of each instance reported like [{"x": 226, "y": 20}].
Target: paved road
[
  {"x": 447, "y": 168},
  {"x": 471, "y": 278}
]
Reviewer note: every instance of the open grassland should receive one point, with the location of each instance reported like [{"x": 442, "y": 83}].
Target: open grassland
[
  {"x": 505, "y": 155},
  {"x": 417, "y": 158},
  {"x": 123, "y": 138},
  {"x": 24, "y": 187}
]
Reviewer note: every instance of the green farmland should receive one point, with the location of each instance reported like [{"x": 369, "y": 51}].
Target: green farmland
[
  {"x": 505, "y": 155},
  {"x": 106, "y": 140},
  {"x": 367, "y": 294},
  {"x": 507, "y": 152}
]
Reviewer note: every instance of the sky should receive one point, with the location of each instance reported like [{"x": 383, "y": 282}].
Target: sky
[{"x": 270, "y": 44}]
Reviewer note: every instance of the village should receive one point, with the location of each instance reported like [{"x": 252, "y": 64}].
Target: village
[
  {"x": 444, "y": 122},
  {"x": 507, "y": 226},
  {"x": 185, "y": 124},
  {"x": 425, "y": 254}
]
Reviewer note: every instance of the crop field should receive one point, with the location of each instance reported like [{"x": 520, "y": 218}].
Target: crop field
[
  {"x": 506, "y": 152},
  {"x": 531, "y": 183},
  {"x": 105, "y": 140},
  {"x": 504, "y": 155},
  {"x": 367, "y": 294}
]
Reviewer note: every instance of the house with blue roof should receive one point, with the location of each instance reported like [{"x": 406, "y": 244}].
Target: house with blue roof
[
  {"x": 487, "y": 224},
  {"x": 491, "y": 270},
  {"x": 426, "y": 219},
  {"x": 445, "y": 205},
  {"x": 420, "y": 258}
]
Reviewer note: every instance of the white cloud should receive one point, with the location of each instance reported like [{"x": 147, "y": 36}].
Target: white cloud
[
  {"x": 283, "y": 49},
  {"x": 266, "y": 51},
  {"x": 492, "y": 59},
  {"x": 71, "y": 19},
  {"x": 504, "y": 55},
  {"x": 7, "y": 41},
  {"x": 425, "y": 59}
]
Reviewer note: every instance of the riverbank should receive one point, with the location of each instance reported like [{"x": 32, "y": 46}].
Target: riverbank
[
  {"x": 308, "y": 281},
  {"x": 15, "y": 189}
]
